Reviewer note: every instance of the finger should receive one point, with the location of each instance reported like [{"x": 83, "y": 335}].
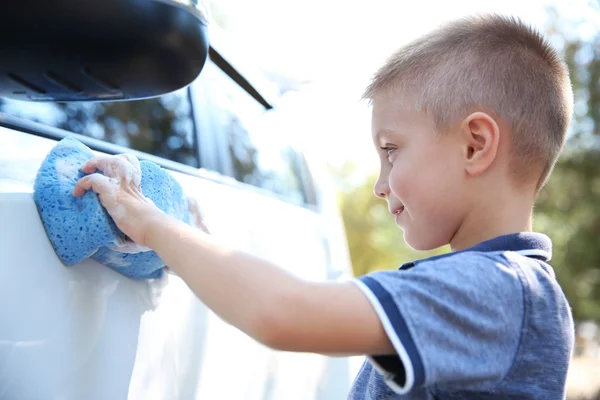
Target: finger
[
  {"x": 133, "y": 160},
  {"x": 136, "y": 173},
  {"x": 91, "y": 165},
  {"x": 123, "y": 167},
  {"x": 97, "y": 182},
  {"x": 81, "y": 187},
  {"x": 97, "y": 163},
  {"x": 109, "y": 165}
]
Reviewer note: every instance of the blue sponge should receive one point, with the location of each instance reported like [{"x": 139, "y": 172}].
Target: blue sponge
[
  {"x": 76, "y": 227},
  {"x": 79, "y": 227}
]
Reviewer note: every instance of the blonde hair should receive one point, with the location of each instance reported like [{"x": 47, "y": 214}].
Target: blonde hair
[{"x": 490, "y": 63}]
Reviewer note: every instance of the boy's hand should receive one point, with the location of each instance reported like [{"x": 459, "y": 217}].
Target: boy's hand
[{"x": 120, "y": 193}]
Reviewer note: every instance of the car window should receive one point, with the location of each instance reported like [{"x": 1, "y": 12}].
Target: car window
[
  {"x": 255, "y": 151},
  {"x": 160, "y": 126},
  {"x": 252, "y": 150}
]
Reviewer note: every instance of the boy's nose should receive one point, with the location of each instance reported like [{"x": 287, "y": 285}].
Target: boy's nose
[{"x": 381, "y": 189}]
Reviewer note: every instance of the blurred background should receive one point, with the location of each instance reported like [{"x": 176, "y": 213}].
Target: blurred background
[{"x": 322, "y": 54}]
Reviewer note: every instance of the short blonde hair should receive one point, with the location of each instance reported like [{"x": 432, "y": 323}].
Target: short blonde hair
[{"x": 495, "y": 64}]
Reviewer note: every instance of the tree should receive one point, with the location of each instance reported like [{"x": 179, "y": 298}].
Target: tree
[{"x": 569, "y": 206}]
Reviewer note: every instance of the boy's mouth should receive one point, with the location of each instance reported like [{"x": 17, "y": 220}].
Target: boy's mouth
[{"x": 397, "y": 211}]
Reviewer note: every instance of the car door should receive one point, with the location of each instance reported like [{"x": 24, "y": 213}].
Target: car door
[{"x": 88, "y": 332}]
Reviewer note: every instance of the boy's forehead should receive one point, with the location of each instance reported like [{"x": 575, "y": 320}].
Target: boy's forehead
[
  {"x": 390, "y": 117},
  {"x": 384, "y": 115}
]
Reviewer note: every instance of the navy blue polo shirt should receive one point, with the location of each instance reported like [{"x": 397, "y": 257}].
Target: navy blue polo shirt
[{"x": 487, "y": 322}]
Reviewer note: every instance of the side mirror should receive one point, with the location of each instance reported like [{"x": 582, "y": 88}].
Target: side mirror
[{"x": 100, "y": 50}]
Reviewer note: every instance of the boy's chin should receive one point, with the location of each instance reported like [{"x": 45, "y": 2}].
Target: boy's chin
[{"x": 422, "y": 242}]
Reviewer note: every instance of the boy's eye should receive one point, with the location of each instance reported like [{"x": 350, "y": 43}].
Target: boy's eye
[{"x": 388, "y": 150}]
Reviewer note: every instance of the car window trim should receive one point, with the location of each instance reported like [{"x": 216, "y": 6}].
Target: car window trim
[
  {"x": 49, "y": 132},
  {"x": 237, "y": 77}
]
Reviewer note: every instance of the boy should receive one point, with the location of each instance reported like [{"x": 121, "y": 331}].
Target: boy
[{"x": 468, "y": 122}]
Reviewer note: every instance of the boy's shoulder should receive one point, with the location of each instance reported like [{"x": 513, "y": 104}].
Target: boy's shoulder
[
  {"x": 443, "y": 313},
  {"x": 500, "y": 267}
]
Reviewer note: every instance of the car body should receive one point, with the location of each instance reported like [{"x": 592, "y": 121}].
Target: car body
[{"x": 87, "y": 332}]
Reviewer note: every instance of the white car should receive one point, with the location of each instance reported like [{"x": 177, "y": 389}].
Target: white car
[{"x": 87, "y": 332}]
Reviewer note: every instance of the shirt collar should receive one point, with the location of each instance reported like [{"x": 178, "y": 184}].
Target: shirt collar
[{"x": 529, "y": 244}]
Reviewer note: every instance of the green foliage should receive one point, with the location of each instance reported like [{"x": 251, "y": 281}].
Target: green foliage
[
  {"x": 567, "y": 211},
  {"x": 568, "y": 208}
]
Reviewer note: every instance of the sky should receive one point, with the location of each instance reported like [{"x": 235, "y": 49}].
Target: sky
[{"x": 334, "y": 46}]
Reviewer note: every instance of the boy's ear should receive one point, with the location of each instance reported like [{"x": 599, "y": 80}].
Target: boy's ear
[{"x": 481, "y": 141}]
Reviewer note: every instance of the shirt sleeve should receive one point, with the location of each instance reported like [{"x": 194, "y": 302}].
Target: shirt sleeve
[{"x": 456, "y": 319}]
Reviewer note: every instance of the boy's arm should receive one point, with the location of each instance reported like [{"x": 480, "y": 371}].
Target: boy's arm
[{"x": 269, "y": 304}]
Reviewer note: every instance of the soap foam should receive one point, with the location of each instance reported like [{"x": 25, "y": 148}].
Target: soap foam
[
  {"x": 115, "y": 260},
  {"x": 129, "y": 247},
  {"x": 121, "y": 168},
  {"x": 67, "y": 170}
]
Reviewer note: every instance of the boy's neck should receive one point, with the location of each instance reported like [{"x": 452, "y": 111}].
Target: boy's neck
[{"x": 499, "y": 215}]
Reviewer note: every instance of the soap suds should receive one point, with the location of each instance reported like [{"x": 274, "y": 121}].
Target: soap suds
[
  {"x": 123, "y": 167},
  {"x": 129, "y": 248},
  {"x": 66, "y": 170},
  {"x": 115, "y": 260},
  {"x": 136, "y": 176},
  {"x": 197, "y": 217}
]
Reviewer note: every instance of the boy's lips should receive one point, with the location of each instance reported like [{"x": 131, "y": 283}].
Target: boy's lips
[{"x": 397, "y": 210}]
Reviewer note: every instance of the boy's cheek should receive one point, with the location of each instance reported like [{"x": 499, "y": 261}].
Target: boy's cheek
[{"x": 400, "y": 185}]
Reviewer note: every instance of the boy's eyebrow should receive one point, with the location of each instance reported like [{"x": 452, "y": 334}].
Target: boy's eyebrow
[{"x": 382, "y": 133}]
